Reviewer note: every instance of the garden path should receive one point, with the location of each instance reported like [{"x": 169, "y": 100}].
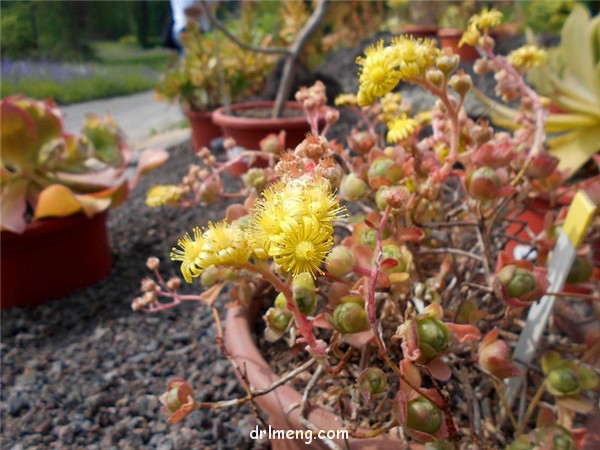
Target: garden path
[{"x": 139, "y": 115}]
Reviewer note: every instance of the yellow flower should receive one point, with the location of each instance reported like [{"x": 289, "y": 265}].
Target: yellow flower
[
  {"x": 486, "y": 19},
  {"x": 346, "y": 100},
  {"x": 470, "y": 37},
  {"x": 161, "y": 195},
  {"x": 303, "y": 248},
  {"x": 318, "y": 202},
  {"x": 293, "y": 224},
  {"x": 378, "y": 75},
  {"x": 401, "y": 128},
  {"x": 187, "y": 253},
  {"x": 413, "y": 56},
  {"x": 223, "y": 244},
  {"x": 527, "y": 57}
]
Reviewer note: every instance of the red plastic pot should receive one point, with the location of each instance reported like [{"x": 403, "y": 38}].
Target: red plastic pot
[
  {"x": 450, "y": 37},
  {"x": 203, "y": 128},
  {"x": 249, "y": 131},
  {"x": 240, "y": 342},
  {"x": 52, "y": 258}
]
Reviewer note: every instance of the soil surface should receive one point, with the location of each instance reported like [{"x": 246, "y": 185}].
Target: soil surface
[{"x": 265, "y": 113}]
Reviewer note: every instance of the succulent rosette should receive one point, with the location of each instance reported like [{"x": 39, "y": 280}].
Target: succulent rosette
[
  {"x": 566, "y": 380},
  {"x": 495, "y": 356},
  {"x": 425, "y": 339},
  {"x": 47, "y": 172},
  {"x": 518, "y": 282}
]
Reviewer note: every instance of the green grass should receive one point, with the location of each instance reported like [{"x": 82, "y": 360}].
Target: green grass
[
  {"x": 119, "y": 53},
  {"x": 119, "y": 69}
]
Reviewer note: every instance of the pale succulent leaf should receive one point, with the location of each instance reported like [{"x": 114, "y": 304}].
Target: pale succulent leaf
[
  {"x": 56, "y": 201},
  {"x": 12, "y": 206},
  {"x": 576, "y": 148}
]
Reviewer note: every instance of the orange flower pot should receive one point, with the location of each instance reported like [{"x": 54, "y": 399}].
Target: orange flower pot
[
  {"x": 203, "y": 128},
  {"x": 240, "y": 342},
  {"x": 52, "y": 258}
]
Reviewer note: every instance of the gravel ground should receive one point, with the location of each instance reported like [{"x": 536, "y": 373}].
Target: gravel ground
[{"x": 85, "y": 371}]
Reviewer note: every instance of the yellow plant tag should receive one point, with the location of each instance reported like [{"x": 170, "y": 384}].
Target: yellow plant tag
[{"x": 579, "y": 218}]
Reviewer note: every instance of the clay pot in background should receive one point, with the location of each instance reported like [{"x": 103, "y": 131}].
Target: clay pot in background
[{"x": 203, "y": 128}]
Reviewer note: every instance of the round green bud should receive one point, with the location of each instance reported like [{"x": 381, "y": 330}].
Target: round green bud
[
  {"x": 422, "y": 416},
  {"x": 518, "y": 281},
  {"x": 372, "y": 382},
  {"x": 340, "y": 261},
  {"x": 581, "y": 270},
  {"x": 277, "y": 319},
  {"x": 350, "y": 317},
  {"x": 281, "y": 302},
  {"x": 433, "y": 337},
  {"x": 483, "y": 183},
  {"x": 353, "y": 188},
  {"x": 564, "y": 380}
]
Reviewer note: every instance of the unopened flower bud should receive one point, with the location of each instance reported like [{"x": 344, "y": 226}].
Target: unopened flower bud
[
  {"x": 481, "y": 133},
  {"x": 461, "y": 83},
  {"x": 304, "y": 292},
  {"x": 495, "y": 356},
  {"x": 434, "y": 337},
  {"x": 209, "y": 276},
  {"x": 483, "y": 183},
  {"x": 482, "y": 66},
  {"x": 178, "y": 401},
  {"x": 518, "y": 281},
  {"x": 174, "y": 283},
  {"x": 149, "y": 285},
  {"x": 581, "y": 270},
  {"x": 564, "y": 380},
  {"x": 256, "y": 178},
  {"x": 486, "y": 42},
  {"x": 397, "y": 196},
  {"x": 152, "y": 263},
  {"x": 372, "y": 383},
  {"x": 350, "y": 317},
  {"x": 435, "y": 77},
  {"x": 542, "y": 166},
  {"x": 332, "y": 116},
  {"x": 340, "y": 261},
  {"x": 361, "y": 141},
  {"x": 278, "y": 319},
  {"x": 229, "y": 143},
  {"x": 280, "y": 301},
  {"x": 555, "y": 437},
  {"x": 447, "y": 63},
  {"x": 423, "y": 416},
  {"x": 353, "y": 188}
]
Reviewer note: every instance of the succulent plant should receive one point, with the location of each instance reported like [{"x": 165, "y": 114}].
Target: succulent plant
[{"x": 47, "y": 172}]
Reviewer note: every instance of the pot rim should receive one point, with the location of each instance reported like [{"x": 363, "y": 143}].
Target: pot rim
[{"x": 222, "y": 118}]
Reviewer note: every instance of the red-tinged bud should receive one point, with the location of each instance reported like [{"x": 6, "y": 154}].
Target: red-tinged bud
[
  {"x": 211, "y": 191},
  {"x": 495, "y": 356},
  {"x": 332, "y": 116},
  {"x": 152, "y": 263},
  {"x": 174, "y": 283},
  {"x": 361, "y": 141},
  {"x": 229, "y": 143},
  {"x": 178, "y": 401},
  {"x": 340, "y": 261},
  {"x": 484, "y": 183},
  {"x": 542, "y": 166},
  {"x": 273, "y": 143},
  {"x": 384, "y": 171},
  {"x": 518, "y": 281}
]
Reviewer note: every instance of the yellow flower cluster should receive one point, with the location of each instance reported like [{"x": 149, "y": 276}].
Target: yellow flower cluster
[
  {"x": 400, "y": 128},
  {"x": 382, "y": 68},
  {"x": 486, "y": 19},
  {"x": 161, "y": 195},
  {"x": 527, "y": 57},
  {"x": 293, "y": 224},
  {"x": 220, "y": 244}
]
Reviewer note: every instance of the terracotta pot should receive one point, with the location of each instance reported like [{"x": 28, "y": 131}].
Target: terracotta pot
[
  {"x": 450, "y": 37},
  {"x": 52, "y": 258},
  {"x": 203, "y": 128},
  {"x": 421, "y": 31},
  {"x": 248, "y": 131},
  {"x": 240, "y": 342}
]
